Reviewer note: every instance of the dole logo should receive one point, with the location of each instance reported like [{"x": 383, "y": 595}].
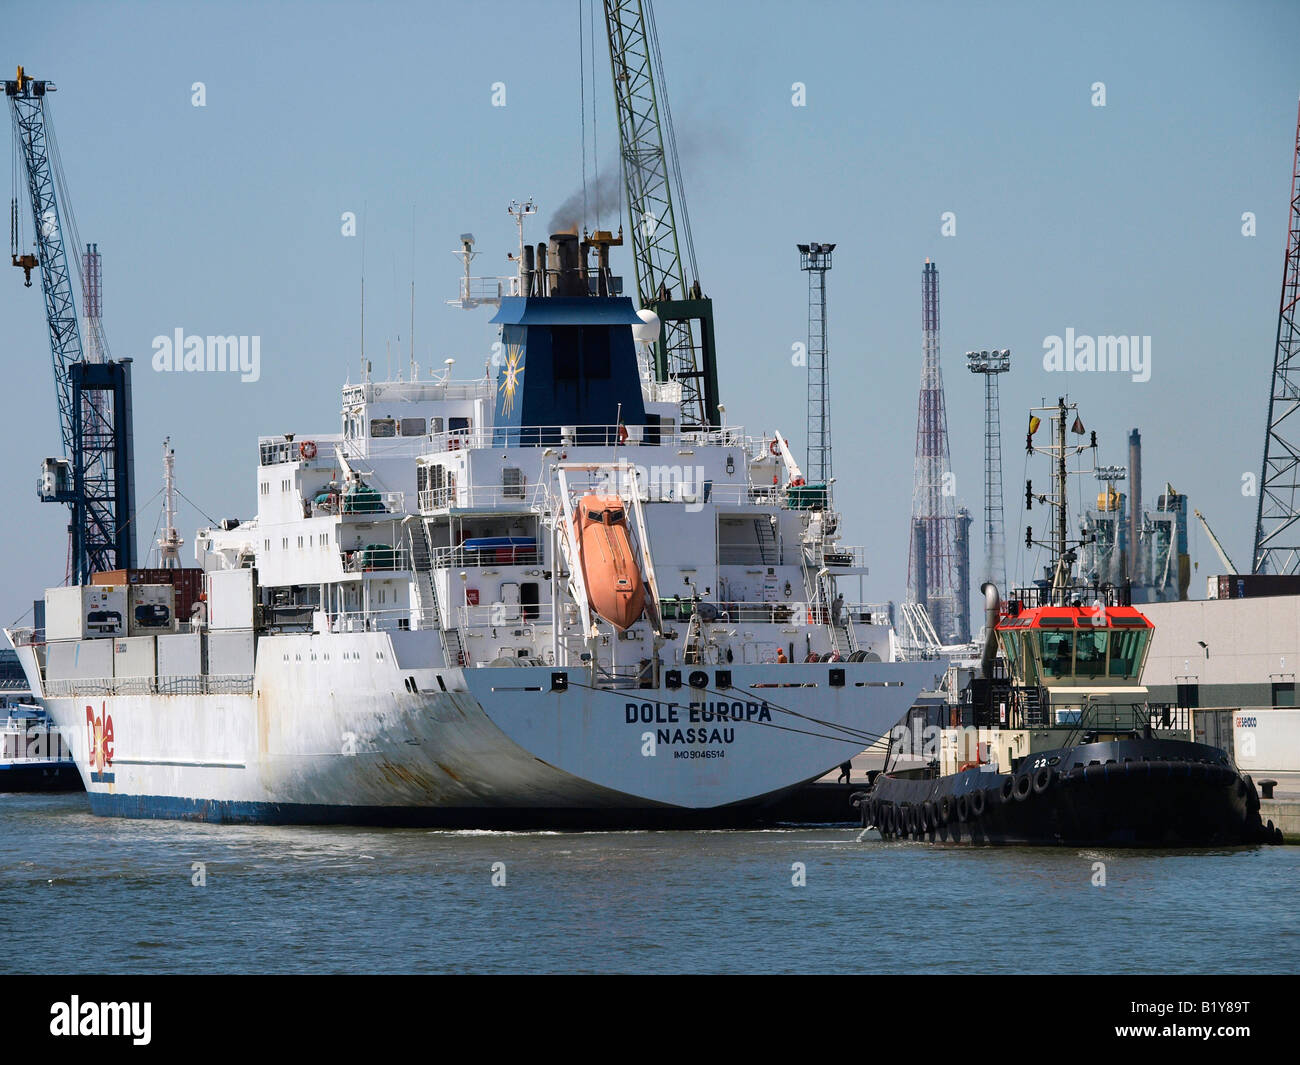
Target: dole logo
[{"x": 100, "y": 744}]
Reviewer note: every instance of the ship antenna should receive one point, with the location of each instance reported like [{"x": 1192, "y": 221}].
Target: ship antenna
[
  {"x": 363, "y": 291},
  {"x": 415, "y": 370},
  {"x": 169, "y": 547}
]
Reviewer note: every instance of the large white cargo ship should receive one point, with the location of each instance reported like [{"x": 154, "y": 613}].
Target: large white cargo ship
[{"x": 531, "y": 599}]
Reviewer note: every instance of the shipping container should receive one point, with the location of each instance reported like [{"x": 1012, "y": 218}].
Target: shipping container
[
  {"x": 231, "y": 597},
  {"x": 188, "y": 583},
  {"x": 1258, "y": 585},
  {"x": 230, "y": 653},
  {"x": 79, "y": 660},
  {"x": 134, "y": 656},
  {"x": 85, "y": 612},
  {"x": 151, "y": 609},
  {"x": 180, "y": 655}
]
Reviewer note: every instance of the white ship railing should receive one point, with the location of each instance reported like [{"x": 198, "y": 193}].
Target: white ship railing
[
  {"x": 389, "y": 503},
  {"x": 661, "y": 484},
  {"x": 393, "y": 620},
  {"x": 520, "y": 496},
  {"x": 376, "y": 558},
  {"x": 662, "y": 391},
  {"x": 589, "y": 436},
  {"x": 460, "y": 558},
  {"x": 498, "y": 616},
  {"x": 788, "y": 612},
  {"x": 222, "y": 684},
  {"x": 416, "y": 391},
  {"x": 478, "y": 290}
]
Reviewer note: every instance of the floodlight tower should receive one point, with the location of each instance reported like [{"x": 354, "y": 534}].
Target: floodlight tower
[
  {"x": 816, "y": 260},
  {"x": 990, "y": 364}
]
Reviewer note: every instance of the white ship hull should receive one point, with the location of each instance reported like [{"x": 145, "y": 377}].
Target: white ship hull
[
  {"x": 410, "y": 629},
  {"x": 338, "y": 743}
]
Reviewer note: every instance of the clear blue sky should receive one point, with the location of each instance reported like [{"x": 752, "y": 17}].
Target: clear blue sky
[{"x": 1117, "y": 220}]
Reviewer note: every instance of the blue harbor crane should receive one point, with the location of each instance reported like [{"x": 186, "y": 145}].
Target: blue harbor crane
[{"x": 95, "y": 478}]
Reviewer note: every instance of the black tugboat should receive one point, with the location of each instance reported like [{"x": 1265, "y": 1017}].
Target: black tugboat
[{"x": 1043, "y": 747}]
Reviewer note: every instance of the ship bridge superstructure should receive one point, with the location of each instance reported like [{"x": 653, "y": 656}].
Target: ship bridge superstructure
[{"x": 438, "y": 511}]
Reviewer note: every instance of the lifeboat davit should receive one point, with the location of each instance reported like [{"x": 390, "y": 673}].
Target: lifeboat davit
[{"x": 609, "y": 569}]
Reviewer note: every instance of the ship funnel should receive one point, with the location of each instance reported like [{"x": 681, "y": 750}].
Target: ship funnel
[
  {"x": 571, "y": 277},
  {"x": 543, "y": 272},
  {"x": 990, "y": 624},
  {"x": 527, "y": 268}
]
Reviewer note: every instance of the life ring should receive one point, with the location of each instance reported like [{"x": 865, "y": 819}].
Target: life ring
[
  {"x": 1043, "y": 779},
  {"x": 977, "y": 803},
  {"x": 307, "y": 449},
  {"x": 774, "y": 448}
]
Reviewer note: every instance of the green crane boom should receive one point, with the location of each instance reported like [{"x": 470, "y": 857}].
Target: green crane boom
[{"x": 685, "y": 352}]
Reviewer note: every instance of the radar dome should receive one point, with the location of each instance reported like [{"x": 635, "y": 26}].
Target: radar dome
[{"x": 648, "y": 331}]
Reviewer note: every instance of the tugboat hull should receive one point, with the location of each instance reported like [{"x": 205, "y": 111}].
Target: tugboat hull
[{"x": 1119, "y": 793}]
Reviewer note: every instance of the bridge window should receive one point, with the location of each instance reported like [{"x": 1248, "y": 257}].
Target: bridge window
[
  {"x": 1057, "y": 651},
  {"x": 1011, "y": 646},
  {"x": 1090, "y": 653},
  {"x": 412, "y": 426},
  {"x": 1127, "y": 650},
  {"x": 381, "y": 428}
]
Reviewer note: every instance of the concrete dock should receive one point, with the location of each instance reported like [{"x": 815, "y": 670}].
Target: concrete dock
[{"x": 1283, "y": 809}]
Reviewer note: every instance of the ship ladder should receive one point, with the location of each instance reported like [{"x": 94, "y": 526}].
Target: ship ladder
[{"x": 768, "y": 551}]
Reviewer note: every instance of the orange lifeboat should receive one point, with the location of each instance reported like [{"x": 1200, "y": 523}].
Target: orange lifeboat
[{"x": 609, "y": 569}]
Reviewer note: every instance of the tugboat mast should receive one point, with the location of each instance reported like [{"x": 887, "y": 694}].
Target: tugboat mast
[{"x": 1061, "y": 568}]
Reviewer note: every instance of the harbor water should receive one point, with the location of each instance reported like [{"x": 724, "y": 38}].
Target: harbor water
[{"x": 86, "y": 894}]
